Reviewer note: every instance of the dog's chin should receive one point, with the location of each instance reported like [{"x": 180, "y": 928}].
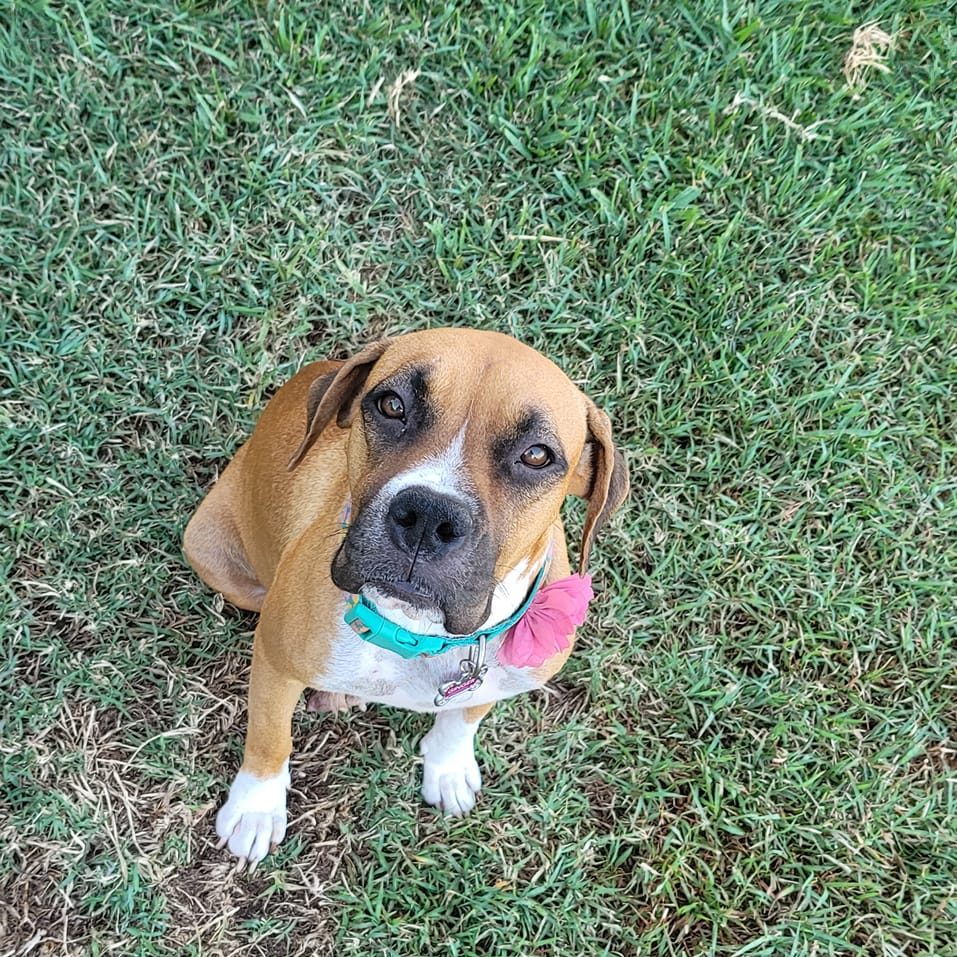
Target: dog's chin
[
  {"x": 409, "y": 605},
  {"x": 415, "y": 611},
  {"x": 417, "y": 617}
]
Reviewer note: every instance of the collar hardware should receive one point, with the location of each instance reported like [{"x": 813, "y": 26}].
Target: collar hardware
[{"x": 471, "y": 672}]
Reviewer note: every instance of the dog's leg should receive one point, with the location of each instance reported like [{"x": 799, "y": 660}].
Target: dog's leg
[
  {"x": 214, "y": 547},
  {"x": 253, "y": 819},
  {"x": 451, "y": 778}
]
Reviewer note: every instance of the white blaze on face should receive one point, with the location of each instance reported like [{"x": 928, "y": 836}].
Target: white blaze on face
[{"x": 443, "y": 473}]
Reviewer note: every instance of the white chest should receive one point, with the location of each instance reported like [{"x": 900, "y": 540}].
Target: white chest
[{"x": 358, "y": 668}]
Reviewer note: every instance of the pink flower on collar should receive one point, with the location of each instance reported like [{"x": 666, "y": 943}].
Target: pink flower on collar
[{"x": 546, "y": 628}]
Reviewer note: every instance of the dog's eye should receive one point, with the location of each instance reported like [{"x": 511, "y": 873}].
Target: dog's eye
[
  {"x": 537, "y": 457},
  {"x": 391, "y": 406}
]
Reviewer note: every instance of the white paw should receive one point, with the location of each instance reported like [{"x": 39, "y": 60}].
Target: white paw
[
  {"x": 253, "y": 819},
  {"x": 451, "y": 779}
]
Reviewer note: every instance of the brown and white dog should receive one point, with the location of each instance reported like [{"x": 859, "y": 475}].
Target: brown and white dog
[{"x": 455, "y": 448}]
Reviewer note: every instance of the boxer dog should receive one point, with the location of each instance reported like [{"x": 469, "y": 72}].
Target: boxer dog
[{"x": 395, "y": 519}]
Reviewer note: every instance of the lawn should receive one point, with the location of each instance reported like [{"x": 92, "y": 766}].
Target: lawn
[{"x": 747, "y": 260}]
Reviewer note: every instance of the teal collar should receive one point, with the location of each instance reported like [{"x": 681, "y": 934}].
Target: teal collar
[{"x": 369, "y": 624}]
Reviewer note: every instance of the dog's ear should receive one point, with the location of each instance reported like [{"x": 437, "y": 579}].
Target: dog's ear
[
  {"x": 335, "y": 394},
  {"x": 601, "y": 476}
]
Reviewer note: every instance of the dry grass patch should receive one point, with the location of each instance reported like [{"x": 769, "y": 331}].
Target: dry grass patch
[{"x": 869, "y": 50}]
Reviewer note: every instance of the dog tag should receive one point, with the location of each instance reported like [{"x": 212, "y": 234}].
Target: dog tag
[{"x": 472, "y": 671}]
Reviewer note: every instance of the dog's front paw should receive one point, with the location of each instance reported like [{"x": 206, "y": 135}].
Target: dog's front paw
[
  {"x": 253, "y": 819},
  {"x": 451, "y": 778}
]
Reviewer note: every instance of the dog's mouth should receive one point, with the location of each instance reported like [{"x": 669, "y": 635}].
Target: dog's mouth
[
  {"x": 409, "y": 592},
  {"x": 406, "y": 604}
]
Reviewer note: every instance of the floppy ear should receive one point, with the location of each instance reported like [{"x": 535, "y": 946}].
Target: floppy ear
[
  {"x": 601, "y": 476},
  {"x": 335, "y": 395}
]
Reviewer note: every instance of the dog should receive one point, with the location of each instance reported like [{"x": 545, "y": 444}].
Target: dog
[{"x": 395, "y": 520}]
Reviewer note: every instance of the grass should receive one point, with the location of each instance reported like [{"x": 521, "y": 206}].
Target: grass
[{"x": 749, "y": 264}]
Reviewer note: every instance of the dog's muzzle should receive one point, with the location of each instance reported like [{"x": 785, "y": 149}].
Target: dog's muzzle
[{"x": 426, "y": 548}]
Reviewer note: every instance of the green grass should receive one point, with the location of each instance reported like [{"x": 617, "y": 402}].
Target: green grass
[{"x": 753, "y": 749}]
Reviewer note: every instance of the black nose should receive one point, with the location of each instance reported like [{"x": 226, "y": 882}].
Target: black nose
[{"x": 426, "y": 523}]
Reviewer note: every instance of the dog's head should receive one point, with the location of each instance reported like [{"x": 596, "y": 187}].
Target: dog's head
[{"x": 462, "y": 446}]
